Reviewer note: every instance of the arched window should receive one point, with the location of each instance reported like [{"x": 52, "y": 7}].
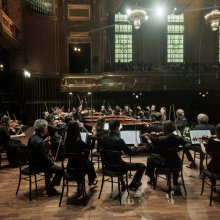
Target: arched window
[
  {"x": 175, "y": 38},
  {"x": 123, "y": 39}
]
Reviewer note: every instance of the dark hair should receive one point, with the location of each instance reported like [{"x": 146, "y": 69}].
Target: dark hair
[
  {"x": 73, "y": 133},
  {"x": 168, "y": 127},
  {"x": 114, "y": 124}
]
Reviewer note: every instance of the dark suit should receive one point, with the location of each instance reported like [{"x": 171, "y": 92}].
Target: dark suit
[
  {"x": 113, "y": 142},
  {"x": 161, "y": 144},
  {"x": 39, "y": 160},
  {"x": 181, "y": 123},
  {"x": 14, "y": 149}
]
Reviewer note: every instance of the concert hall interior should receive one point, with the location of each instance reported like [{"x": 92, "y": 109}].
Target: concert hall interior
[{"x": 129, "y": 78}]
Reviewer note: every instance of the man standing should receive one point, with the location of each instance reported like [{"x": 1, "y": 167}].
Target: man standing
[
  {"x": 39, "y": 157},
  {"x": 113, "y": 142}
]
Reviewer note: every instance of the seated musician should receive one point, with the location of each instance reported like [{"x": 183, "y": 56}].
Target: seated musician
[
  {"x": 109, "y": 110},
  {"x": 14, "y": 148},
  {"x": 157, "y": 125},
  {"x": 127, "y": 111},
  {"x": 103, "y": 111},
  {"x": 39, "y": 157},
  {"x": 203, "y": 124},
  {"x": 117, "y": 110},
  {"x": 181, "y": 121},
  {"x": 54, "y": 131},
  {"x": 113, "y": 142},
  {"x": 159, "y": 157},
  {"x": 45, "y": 115},
  {"x": 163, "y": 112},
  {"x": 78, "y": 115},
  {"x": 74, "y": 144},
  {"x": 152, "y": 112}
]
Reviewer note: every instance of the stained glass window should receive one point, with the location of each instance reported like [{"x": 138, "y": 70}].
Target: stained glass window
[
  {"x": 123, "y": 39},
  {"x": 175, "y": 38}
]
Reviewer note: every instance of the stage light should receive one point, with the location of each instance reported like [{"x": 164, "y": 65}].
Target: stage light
[
  {"x": 89, "y": 93},
  {"x": 128, "y": 11},
  {"x": 70, "y": 93},
  {"x": 27, "y": 74},
  {"x": 1, "y": 67},
  {"x": 160, "y": 11}
]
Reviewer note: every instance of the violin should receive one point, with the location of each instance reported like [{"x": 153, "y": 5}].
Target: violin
[
  {"x": 205, "y": 138},
  {"x": 153, "y": 134}
]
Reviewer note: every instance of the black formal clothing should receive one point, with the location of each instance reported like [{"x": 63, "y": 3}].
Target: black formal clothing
[
  {"x": 213, "y": 146},
  {"x": 40, "y": 161},
  {"x": 196, "y": 147},
  {"x": 80, "y": 147},
  {"x": 155, "y": 127},
  {"x": 113, "y": 142},
  {"x": 181, "y": 123},
  {"x": 205, "y": 127},
  {"x": 160, "y": 157},
  {"x": 15, "y": 150}
]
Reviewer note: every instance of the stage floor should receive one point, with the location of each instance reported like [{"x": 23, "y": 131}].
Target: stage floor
[{"x": 146, "y": 203}]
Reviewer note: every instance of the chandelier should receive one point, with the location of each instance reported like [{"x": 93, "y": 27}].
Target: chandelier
[
  {"x": 213, "y": 19},
  {"x": 137, "y": 16}
]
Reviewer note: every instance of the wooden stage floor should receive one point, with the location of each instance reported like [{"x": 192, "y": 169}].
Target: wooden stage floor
[{"x": 152, "y": 204}]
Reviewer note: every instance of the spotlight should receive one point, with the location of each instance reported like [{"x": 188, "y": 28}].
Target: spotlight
[
  {"x": 137, "y": 96},
  {"x": 79, "y": 50},
  {"x": 128, "y": 11},
  {"x": 89, "y": 93},
  {"x": 70, "y": 93},
  {"x": 75, "y": 48},
  {"x": 1, "y": 67},
  {"x": 160, "y": 11},
  {"x": 27, "y": 74}
]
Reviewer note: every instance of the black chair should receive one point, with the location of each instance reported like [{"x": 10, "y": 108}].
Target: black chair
[
  {"x": 27, "y": 173},
  {"x": 112, "y": 167},
  {"x": 75, "y": 173},
  {"x": 210, "y": 176},
  {"x": 169, "y": 169}
]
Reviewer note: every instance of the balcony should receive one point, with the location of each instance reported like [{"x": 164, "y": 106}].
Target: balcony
[
  {"x": 9, "y": 33},
  {"x": 139, "y": 81}
]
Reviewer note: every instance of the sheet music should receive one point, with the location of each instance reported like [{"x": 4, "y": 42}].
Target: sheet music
[
  {"x": 131, "y": 137},
  {"x": 198, "y": 134},
  {"x": 106, "y": 126},
  {"x": 83, "y": 136}
]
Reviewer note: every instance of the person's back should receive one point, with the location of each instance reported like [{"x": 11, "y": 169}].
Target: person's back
[
  {"x": 203, "y": 123},
  {"x": 113, "y": 142}
]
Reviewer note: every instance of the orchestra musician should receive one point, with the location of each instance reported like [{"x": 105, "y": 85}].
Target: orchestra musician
[
  {"x": 14, "y": 148},
  {"x": 78, "y": 115},
  {"x": 117, "y": 110},
  {"x": 103, "y": 110},
  {"x": 109, "y": 110},
  {"x": 157, "y": 125},
  {"x": 39, "y": 158},
  {"x": 74, "y": 144},
  {"x": 181, "y": 121},
  {"x": 127, "y": 111},
  {"x": 163, "y": 112},
  {"x": 151, "y": 113},
  {"x": 113, "y": 142},
  {"x": 159, "y": 157},
  {"x": 203, "y": 124}
]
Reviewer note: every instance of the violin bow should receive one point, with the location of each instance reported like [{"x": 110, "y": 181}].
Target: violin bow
[
  {"x": 46, "y": 106},
  {"x": 174, "y": 114}
]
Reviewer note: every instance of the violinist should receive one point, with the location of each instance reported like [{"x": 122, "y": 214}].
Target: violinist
[
  {"x": 54, "y": 132},
  {"x": 117, "y": 110},
  {"x": 78, "y": 114},
  {"x": 74, "y": 144},
  {"x": 45, "y": 115},
  {"x": 103, "y": 110},
  {"x": 159, "y": 157},
  {"x": 39, "y": 158},
  {"x": 152, "y": 112},
  {"x": 14, "y": 148},
  {"x": 163, "y": 112},
  {"x": 203, "y": 124},
  {"x": 212, "y": 146},
  {"x": 181, "y": 121},
  {"x": 157, "y": 125},
  {"x": 127, "y": 111},
  {"x": 109, "y": 110}
]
